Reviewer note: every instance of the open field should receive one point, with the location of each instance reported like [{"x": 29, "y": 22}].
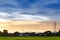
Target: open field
[{"x": 30, "y": 38}]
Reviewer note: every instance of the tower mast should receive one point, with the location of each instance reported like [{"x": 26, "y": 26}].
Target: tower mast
[{"x": 54, "y": 26}]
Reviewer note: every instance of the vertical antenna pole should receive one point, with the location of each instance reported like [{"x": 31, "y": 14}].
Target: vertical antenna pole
[
  {"x": 22, "y": 30},
  {"x": 54, "y": 26}
]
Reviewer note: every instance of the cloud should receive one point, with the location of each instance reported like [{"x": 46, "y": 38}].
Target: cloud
[
  {"x": 28, "y": 9},
  {"x": 4, "y": 15},
  {"x": 30, "y": 17},
  {"x": 49, "y": 1},
  {"x": 9, "y": 2},
  {"x": 18, "y": 16}
]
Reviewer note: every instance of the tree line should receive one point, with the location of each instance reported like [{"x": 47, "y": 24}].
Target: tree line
[{"x": 46, "y": 33}]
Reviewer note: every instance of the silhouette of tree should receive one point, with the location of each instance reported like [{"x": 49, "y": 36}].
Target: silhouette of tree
[
  {"x": 47, "y": 33},
  {"x": 5, "y": 32},
  {"x": 16, "y": 33},
  {"x": 59, "y": 33},
  {"x": 0, "y": 33}
]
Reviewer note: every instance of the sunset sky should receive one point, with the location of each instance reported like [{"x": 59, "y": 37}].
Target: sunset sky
[{"x": 29, "y": 15}]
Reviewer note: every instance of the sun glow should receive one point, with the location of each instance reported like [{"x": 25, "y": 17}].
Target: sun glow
[
  {"x": 1, "y": 29},
  {"x": 4, "y": 20}
]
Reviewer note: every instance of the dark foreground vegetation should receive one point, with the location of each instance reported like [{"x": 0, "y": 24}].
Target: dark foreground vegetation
[{"x": 47, "y": 33}]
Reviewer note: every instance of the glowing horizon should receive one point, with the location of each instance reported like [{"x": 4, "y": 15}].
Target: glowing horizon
[{"x": 28, "y": 26}]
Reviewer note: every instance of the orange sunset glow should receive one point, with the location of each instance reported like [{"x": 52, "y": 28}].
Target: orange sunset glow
[{"x": 28, "y": 26}]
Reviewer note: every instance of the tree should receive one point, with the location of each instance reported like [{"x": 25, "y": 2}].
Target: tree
[
  {"x": 47, "y": 33},
  {"x": 0, "y": 33},
  {"x": 16, "y": 33},
  {"x": 59, "y": 33},
  {"x": 5, "y": 32}
]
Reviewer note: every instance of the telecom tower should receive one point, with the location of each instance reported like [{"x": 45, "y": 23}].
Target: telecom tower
[
  {"x": 22, "y": 30},
  {"x": 54, "y": 26}
]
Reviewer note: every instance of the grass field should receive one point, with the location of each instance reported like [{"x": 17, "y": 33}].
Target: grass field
[{"x": 30, "y": 38}]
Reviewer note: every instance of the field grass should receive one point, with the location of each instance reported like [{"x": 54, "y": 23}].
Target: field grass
[{"x": 30, "y": 38}]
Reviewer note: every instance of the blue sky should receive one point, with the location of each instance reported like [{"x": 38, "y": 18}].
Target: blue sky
[{"x": 30, "y": 9}]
